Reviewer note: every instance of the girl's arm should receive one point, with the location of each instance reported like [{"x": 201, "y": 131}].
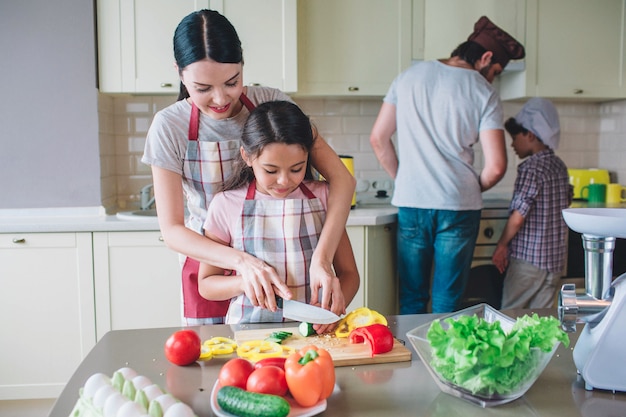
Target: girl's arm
[
  {"x": 341, "y": 189},
  {"x": 168, "y": 192}
]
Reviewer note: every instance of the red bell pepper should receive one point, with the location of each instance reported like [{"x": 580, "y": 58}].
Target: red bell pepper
[
  {"x": 377, "y": 336},
  {"x": 310, "y": 375}
]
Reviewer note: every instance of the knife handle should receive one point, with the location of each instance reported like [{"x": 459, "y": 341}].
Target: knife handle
[{"x": 279, "y": 302}]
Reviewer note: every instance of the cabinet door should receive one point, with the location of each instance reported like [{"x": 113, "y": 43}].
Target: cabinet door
[
  {"x": 381, "y": 291},
  {"x": 356, "y": 234},
  {"x": 46, "y": 311},
  {"x": 268, "y": 34},
  {"x": 138, "y": 282},
  {"x": 135, "y": 44},
  {"x": 439, "y": 26},
  {"x": 352, "y": 47}
]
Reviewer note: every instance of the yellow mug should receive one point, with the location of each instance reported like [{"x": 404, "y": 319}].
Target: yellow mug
[{"x": 615, "y": 193}]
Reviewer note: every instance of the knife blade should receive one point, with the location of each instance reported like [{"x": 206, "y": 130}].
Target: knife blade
[{"x": 295, "y": 310}]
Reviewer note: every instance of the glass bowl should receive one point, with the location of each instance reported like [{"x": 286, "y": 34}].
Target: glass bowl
[{"x": 421, "y": 344}]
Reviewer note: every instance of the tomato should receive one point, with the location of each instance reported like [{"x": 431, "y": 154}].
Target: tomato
[
  {"x": 280, "y": 362},
  {"x": 268, "y": 380},
  {"x": 235, "y": 372},
  {"x": 183, "y": 347}
]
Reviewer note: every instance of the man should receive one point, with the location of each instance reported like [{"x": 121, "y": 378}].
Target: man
[{"x": 439, "y": 110}]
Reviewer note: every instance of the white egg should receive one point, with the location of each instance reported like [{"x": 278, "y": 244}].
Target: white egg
[
  {"x": 113, "y": 403},
  {"x": 152, "y": 391},
  {"x": 131, "y": 409},
  {"x": 166, "y": 401},
  {"x": 179, "y": 410},
  {"x": 94, "y": 382},
  {"x": 102, "y": 394},
  {"x": 141, "y": 382},
  {"x": 127, "y": 373}
]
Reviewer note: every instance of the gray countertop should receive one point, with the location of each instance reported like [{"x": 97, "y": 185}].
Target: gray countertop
[
  {"x": 94, "y": 220},
  {"x": 394, "y": 389}
]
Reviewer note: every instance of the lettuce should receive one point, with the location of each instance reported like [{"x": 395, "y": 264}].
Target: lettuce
[{"x": 480, "y": 357}]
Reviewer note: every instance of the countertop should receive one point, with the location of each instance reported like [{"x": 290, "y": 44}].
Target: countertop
[
  {"x": 394, "y": 389},
  {"x": 95, "y": 220}
]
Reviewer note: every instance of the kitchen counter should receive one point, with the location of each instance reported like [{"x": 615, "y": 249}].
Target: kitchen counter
[
  {"x": 94, "y": 220},
  {"x": 396, "y": 389}
]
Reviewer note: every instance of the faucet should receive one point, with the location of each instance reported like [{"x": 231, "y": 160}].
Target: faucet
[{"x": 146, "y": 201}]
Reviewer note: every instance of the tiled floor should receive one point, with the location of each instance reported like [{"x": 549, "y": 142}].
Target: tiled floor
[{"x": 26, "y": 408}]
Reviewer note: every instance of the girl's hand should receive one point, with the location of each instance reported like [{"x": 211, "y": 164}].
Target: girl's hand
[
  {"x": 322, "y": 277},
  {"x": 338, "y": 306},
  {"x": 261, "y": 283}
]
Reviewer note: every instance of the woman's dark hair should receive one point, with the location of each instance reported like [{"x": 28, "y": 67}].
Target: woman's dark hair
[
  {"x": 514, "y": 128},
  {"x": 469, "y": 52},
  {"x": 271, "y": 122},
  {"x": 205, "y": 34}
]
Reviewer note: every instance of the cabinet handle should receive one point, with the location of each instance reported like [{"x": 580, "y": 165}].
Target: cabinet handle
[
  {"x": 161, "y": 239},
  {"x": 255, "y": 84},
  {"x": 166, "y": 85},
  {"x": 578, "y": 91},
  {"x": 19, "y": 240},
  {"x": 387, "y": 228},
  {"x": 353, "y": 88},
  {"x": 488, "y": 232}
]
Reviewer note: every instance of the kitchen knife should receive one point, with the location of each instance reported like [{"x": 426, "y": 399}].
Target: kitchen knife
[{"x": 295, "y": 310}]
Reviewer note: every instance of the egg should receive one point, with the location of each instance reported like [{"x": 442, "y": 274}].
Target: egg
[
  {"x": 152, "y": 391},
  {"x": 94, "y": 382},
  {"x": 113, "y": 403},
  {"x": 102, "y": 394},
  {"x": 179, "y": 410},
  {"x": 141, "y": 382},
  {"x": 131, "y": 409},
  {"x": 166, "y": 401},
  {"x": 127, "y": 373}
]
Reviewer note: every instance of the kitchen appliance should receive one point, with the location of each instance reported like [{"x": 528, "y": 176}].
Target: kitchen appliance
[
  {"x": 582, "y": 177},
  {"x": 295, "y": 310},
  {"x": 599, "y": 353}
]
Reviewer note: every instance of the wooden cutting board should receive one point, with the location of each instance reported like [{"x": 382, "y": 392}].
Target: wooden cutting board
[{"x": 343, "y": 352}]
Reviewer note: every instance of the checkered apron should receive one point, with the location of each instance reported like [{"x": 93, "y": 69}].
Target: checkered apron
[
  {"x": 283, "y": 233},
  {"x": 207, "y": 164}
]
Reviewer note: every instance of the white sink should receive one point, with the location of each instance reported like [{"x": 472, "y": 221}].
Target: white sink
[
  {"x": 142, "y": 215},
  {"x": 603, "y": 222}
]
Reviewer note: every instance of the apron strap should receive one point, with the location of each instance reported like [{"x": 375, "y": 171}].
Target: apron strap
[
  {"x": 246, "y": 102},
  {"x": 194, "y": 118},
  {"x": 251, "y": 190},
  {"x": 308, "y": 193}
]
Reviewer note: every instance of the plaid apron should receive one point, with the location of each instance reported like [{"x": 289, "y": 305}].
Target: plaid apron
[
  {"x": 284, "y": 234},
  {"x": 207, "y": 164}
]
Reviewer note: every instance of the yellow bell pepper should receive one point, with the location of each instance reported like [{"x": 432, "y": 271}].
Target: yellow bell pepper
[
  {"x": 217, "y": 346},
  {"x": 359, "y": 317},
  {"x": 255, "y": 350}
]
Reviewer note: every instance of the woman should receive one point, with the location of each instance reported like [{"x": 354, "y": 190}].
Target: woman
[{"x": 191, "y": 146}]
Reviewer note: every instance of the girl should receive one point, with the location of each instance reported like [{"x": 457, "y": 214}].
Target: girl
[
  {"x": 272, "y": 209},
  {"x": 191, "y": 146}
]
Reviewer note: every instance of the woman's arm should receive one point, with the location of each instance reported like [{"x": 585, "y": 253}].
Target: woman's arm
[
  {"x": 341, "y": 189},
  {"x": 168, "y": 192}
]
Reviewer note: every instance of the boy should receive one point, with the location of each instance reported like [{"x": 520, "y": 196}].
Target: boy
[{"x": 532, "y": 244}]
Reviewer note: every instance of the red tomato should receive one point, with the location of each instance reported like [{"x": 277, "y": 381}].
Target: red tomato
[
  {"x": 280, "y": 362},
  {"x": 183, "y": 347},
  {"x": 235, "y": 372},
  {"x": 268, "y": 380}
]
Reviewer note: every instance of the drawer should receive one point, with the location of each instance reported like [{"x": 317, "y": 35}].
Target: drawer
[
  {"x": 37, "y": 240},
  {"x": 490, "y": 231}
]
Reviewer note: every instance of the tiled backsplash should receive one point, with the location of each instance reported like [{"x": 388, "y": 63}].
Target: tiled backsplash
[{"x": 592, "y": 135}]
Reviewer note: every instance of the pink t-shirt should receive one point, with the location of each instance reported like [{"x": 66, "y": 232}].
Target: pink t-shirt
[{"x": 225, "y": 208}]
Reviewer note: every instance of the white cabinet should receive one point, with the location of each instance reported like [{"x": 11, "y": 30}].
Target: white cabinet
[
  {"x": 574, "y": 48},
  {"x": 46, "y": 311},
  {"x": 375, "y": 253},
  {"x": 135, "y": 46},
  {"x": 137, "y": 281},
  {"x": 439, "y": 26},
  {"x": 352, "y": 47}
]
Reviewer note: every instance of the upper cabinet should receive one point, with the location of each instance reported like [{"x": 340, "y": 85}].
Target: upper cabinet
[
  {"x": 352, "y": 47},
  {"x": 575, "y": 49},
  {"x": 135, "y": 42}
]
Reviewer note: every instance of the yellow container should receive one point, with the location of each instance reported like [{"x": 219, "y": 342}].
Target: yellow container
[
  {"x": 580, "y": 178},
  {"x": 348, "y": 161}
]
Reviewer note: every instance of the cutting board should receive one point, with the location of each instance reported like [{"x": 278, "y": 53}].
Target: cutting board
[{"x": 343, "y": 352}]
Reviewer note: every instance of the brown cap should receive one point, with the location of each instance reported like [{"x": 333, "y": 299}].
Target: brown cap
[{"x": 494, "y": 39}]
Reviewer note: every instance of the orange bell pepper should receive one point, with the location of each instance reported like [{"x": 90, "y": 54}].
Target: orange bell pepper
[{"x": 310, "y": 375}]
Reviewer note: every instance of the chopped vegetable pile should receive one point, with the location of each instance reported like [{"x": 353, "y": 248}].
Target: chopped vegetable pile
[{"x": 480, "y": 357}]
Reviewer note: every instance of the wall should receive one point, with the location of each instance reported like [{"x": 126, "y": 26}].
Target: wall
[
  {"x": 593, "y": 135},
  {"x": 49, "y": 156}
]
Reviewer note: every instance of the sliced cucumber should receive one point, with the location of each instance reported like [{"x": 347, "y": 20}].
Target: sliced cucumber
[
  {"x": 278, "y": 337},
  {"x": 306, "y": 329},
  {"x": 244, "y": 403}
]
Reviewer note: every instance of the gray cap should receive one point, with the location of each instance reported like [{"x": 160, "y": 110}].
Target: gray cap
[{"x": 540, "y": 117}]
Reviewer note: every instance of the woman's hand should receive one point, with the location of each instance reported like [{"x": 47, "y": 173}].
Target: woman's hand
[{"x": 261, "y": 283}]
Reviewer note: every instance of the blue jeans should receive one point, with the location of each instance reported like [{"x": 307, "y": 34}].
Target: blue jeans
[{"x": 443, "y": 237}]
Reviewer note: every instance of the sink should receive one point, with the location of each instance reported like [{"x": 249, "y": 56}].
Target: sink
[{"x": 145, "y": 215}]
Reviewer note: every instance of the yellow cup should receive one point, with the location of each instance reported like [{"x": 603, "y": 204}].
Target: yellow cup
[{"x": 615, "y": 193}]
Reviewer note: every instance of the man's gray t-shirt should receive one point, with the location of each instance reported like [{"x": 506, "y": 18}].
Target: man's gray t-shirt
[{"x": 440, "y": 110}]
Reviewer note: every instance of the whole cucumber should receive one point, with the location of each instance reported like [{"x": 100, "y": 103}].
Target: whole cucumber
[{"x": 242, "y": 403}]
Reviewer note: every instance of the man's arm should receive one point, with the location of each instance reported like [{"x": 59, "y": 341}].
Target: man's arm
[
  {"x": 380, "y": 139},
  {"x": 494, "y": 151}
]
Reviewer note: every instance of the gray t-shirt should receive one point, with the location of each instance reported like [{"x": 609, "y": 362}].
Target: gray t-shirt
[{"x": 440, "y": 110}]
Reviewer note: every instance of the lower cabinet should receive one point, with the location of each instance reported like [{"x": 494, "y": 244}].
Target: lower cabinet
[
  {"x": 137, "y": 281},
  {"x": 375, "y": 253},
  {"x": 46, "y": 311}
]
